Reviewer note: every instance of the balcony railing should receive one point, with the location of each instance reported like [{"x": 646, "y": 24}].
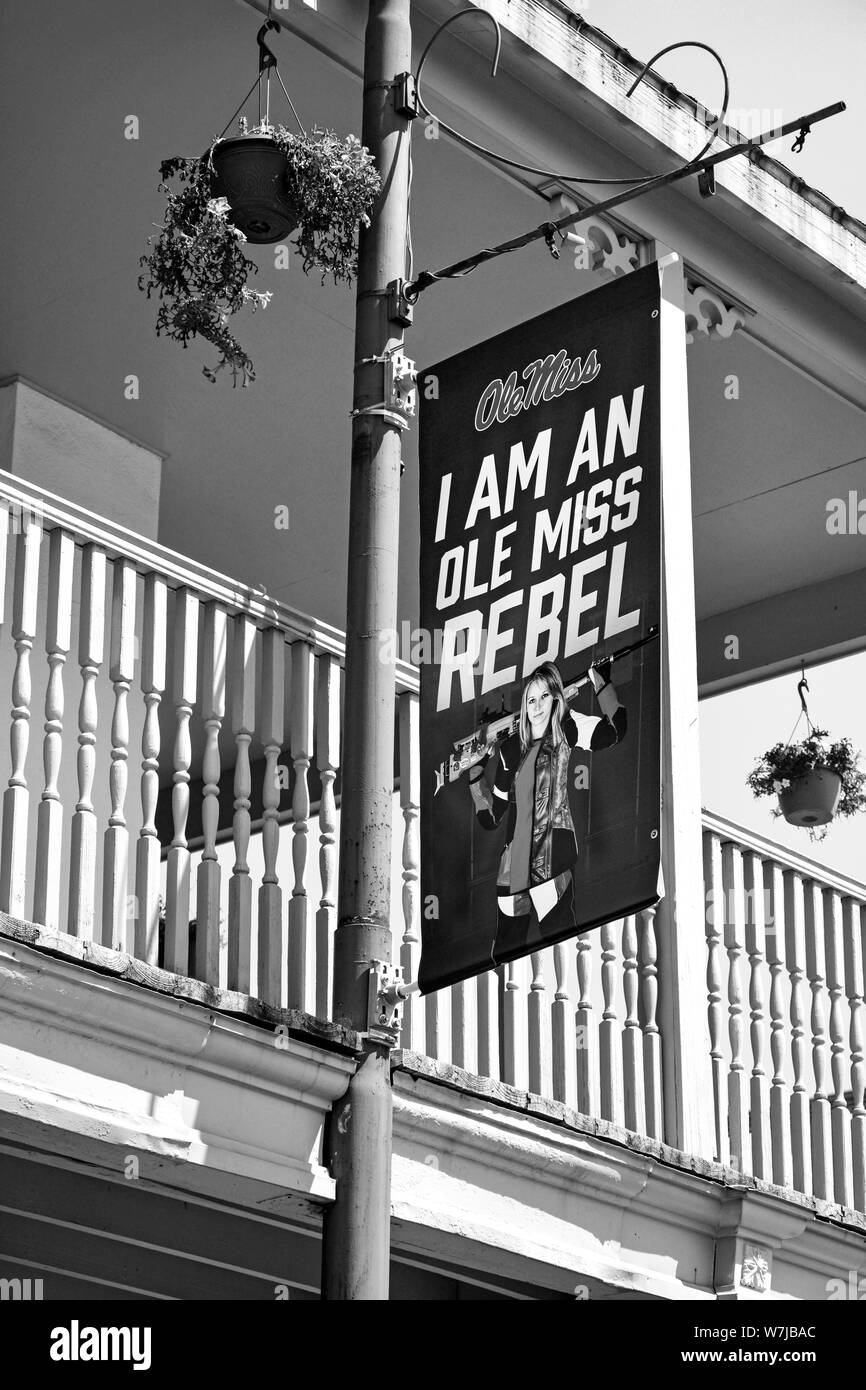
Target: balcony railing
[
  {"x": 785, "y": 947},
  {"x": 196, "y": 829}
]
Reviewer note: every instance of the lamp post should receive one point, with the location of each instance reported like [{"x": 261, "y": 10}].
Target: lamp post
[{"x": 356, "y": 1233}]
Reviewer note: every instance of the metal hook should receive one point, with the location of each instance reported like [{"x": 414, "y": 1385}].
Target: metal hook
[
  {"x": 801, "y": 139},
  {"x": 802, "y": 685},
  {"x": 266, "y": 58},
  {"x": 483, "y": 14}
]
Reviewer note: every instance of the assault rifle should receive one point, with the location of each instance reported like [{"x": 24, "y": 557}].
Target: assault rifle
[{"x": 491, "y": 732}]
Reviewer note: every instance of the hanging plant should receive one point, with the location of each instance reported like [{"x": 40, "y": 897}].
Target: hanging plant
[
  {"x": 814, "y": 782},
  {"x": 258, "y": 186}
]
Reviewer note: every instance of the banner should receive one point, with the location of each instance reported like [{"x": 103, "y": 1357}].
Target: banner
[{"x": 540, "y": 560}]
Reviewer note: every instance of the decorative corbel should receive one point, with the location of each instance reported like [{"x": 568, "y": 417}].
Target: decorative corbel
[
  {"x": 604, "y": 248},
  {"x": 707, "y": 313}
]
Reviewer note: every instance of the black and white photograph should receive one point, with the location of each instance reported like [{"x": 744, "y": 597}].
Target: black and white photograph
[{"x": 433, "y": 671}]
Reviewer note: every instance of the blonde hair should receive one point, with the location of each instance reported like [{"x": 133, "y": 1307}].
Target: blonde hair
[{"x": 548, "y": 675}]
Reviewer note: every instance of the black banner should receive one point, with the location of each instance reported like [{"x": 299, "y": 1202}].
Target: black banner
[{"x": 540, "y": 560}]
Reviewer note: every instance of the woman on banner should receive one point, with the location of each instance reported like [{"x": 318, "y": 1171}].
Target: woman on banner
[{"x": 535, "y": 889}]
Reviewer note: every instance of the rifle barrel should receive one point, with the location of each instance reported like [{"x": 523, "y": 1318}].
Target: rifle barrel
[{"x": 578, "y": 681}]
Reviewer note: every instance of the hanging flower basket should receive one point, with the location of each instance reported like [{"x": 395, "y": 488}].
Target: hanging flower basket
[
  {"x": 812, "y": 800},
  {"x": 814, "y": 782},
  {"x": 250, "y": 172},
  {"x": 258, "y": 187}
]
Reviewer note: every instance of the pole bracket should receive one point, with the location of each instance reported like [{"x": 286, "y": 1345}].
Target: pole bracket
[
  {"x": 406, "y": 96},
  {"x": 399, "y": 308},
  {"x": 384, "y": 412},
  {"x": 384, "y": 1003},
  {"x": 707, "y": 182},
  {"x": 399, "y": 388},
  {"x": 401, "y": 380}
]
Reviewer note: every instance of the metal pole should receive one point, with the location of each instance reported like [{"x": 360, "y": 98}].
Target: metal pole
[{"x": 357, "y": 1226}]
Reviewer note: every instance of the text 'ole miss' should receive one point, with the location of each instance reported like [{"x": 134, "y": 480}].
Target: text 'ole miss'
[{"x": 546, "y": 379}]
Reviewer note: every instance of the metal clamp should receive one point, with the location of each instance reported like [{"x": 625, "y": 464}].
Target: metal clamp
[
  {"x": 384, "y": 1003},
  {"x": 400, "y": 383},
  {"x": 550, "y": 240},
  {"x": 399, "y": 392},
  {"x": 400, "y": 310},
  {"x": 707, "y": 182},
  {"x": 405, "y": 96}
]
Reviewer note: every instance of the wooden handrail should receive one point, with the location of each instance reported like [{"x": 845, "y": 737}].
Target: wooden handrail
[
  {"x": 809, "y": 869},
  {"x": 180, "y": 571}
]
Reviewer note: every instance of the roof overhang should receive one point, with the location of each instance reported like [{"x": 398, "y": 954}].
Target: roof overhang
[{"x": 553, "y": 51}]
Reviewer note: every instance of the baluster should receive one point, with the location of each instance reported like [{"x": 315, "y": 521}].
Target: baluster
[
  {"x": 4, "y": 539},
  {"x": 538, "y": 1006},
  {"x": 243, "y": 728},
  {"x": 300, "y": 945},
  {"x": 652, "y": 1049},
  {"x": 840, "y": 1115},
  {"x": 515, "y": 1068},
  {"x": 563, "y": 1031},
  {"x": 464, "y": 1025},
  {"x": 586, "y": 1032},
  {"x": 714, "y": 919},
  {"x": 148, "y": 850},
  {"x": 632, "y": 1037},
  {"x": 16, "y": 798},
  {"x": 49, "y": 830},
  {"x": 327, "y": 761},
  {"x": 780, "y": 1123},
  {"x": 121, "y": 669},
  {"x": 734, "y": 934},
  {"x": 819, "y": 1105},
  {"x": 438, "y": 1029},
  {"x": 759, "y": 1084},
  {"x": 185, "y": 670},
  {"x": 209, "y": 874},
  {"x": 795, "y": 951},
  {"x": 610, "y": 1047},
  {"x": 856, "y": 1006},
  {"x": 487, "y": 1005},
  {"x": 272, "y": 943},
  {"x": 91, "y": 647},
  {"x": 410, "y": 948}
]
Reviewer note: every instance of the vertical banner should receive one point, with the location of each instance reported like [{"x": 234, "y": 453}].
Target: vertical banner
[{"x": 540, "y": 561}]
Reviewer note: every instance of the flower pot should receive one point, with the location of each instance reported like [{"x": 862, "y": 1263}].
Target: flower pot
[
  {"x": 812, "y": 800},
  {"x": 250, "y": 173}
]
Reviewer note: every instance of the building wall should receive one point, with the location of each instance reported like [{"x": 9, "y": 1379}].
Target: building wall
[{"x": 56, "y": 447}]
